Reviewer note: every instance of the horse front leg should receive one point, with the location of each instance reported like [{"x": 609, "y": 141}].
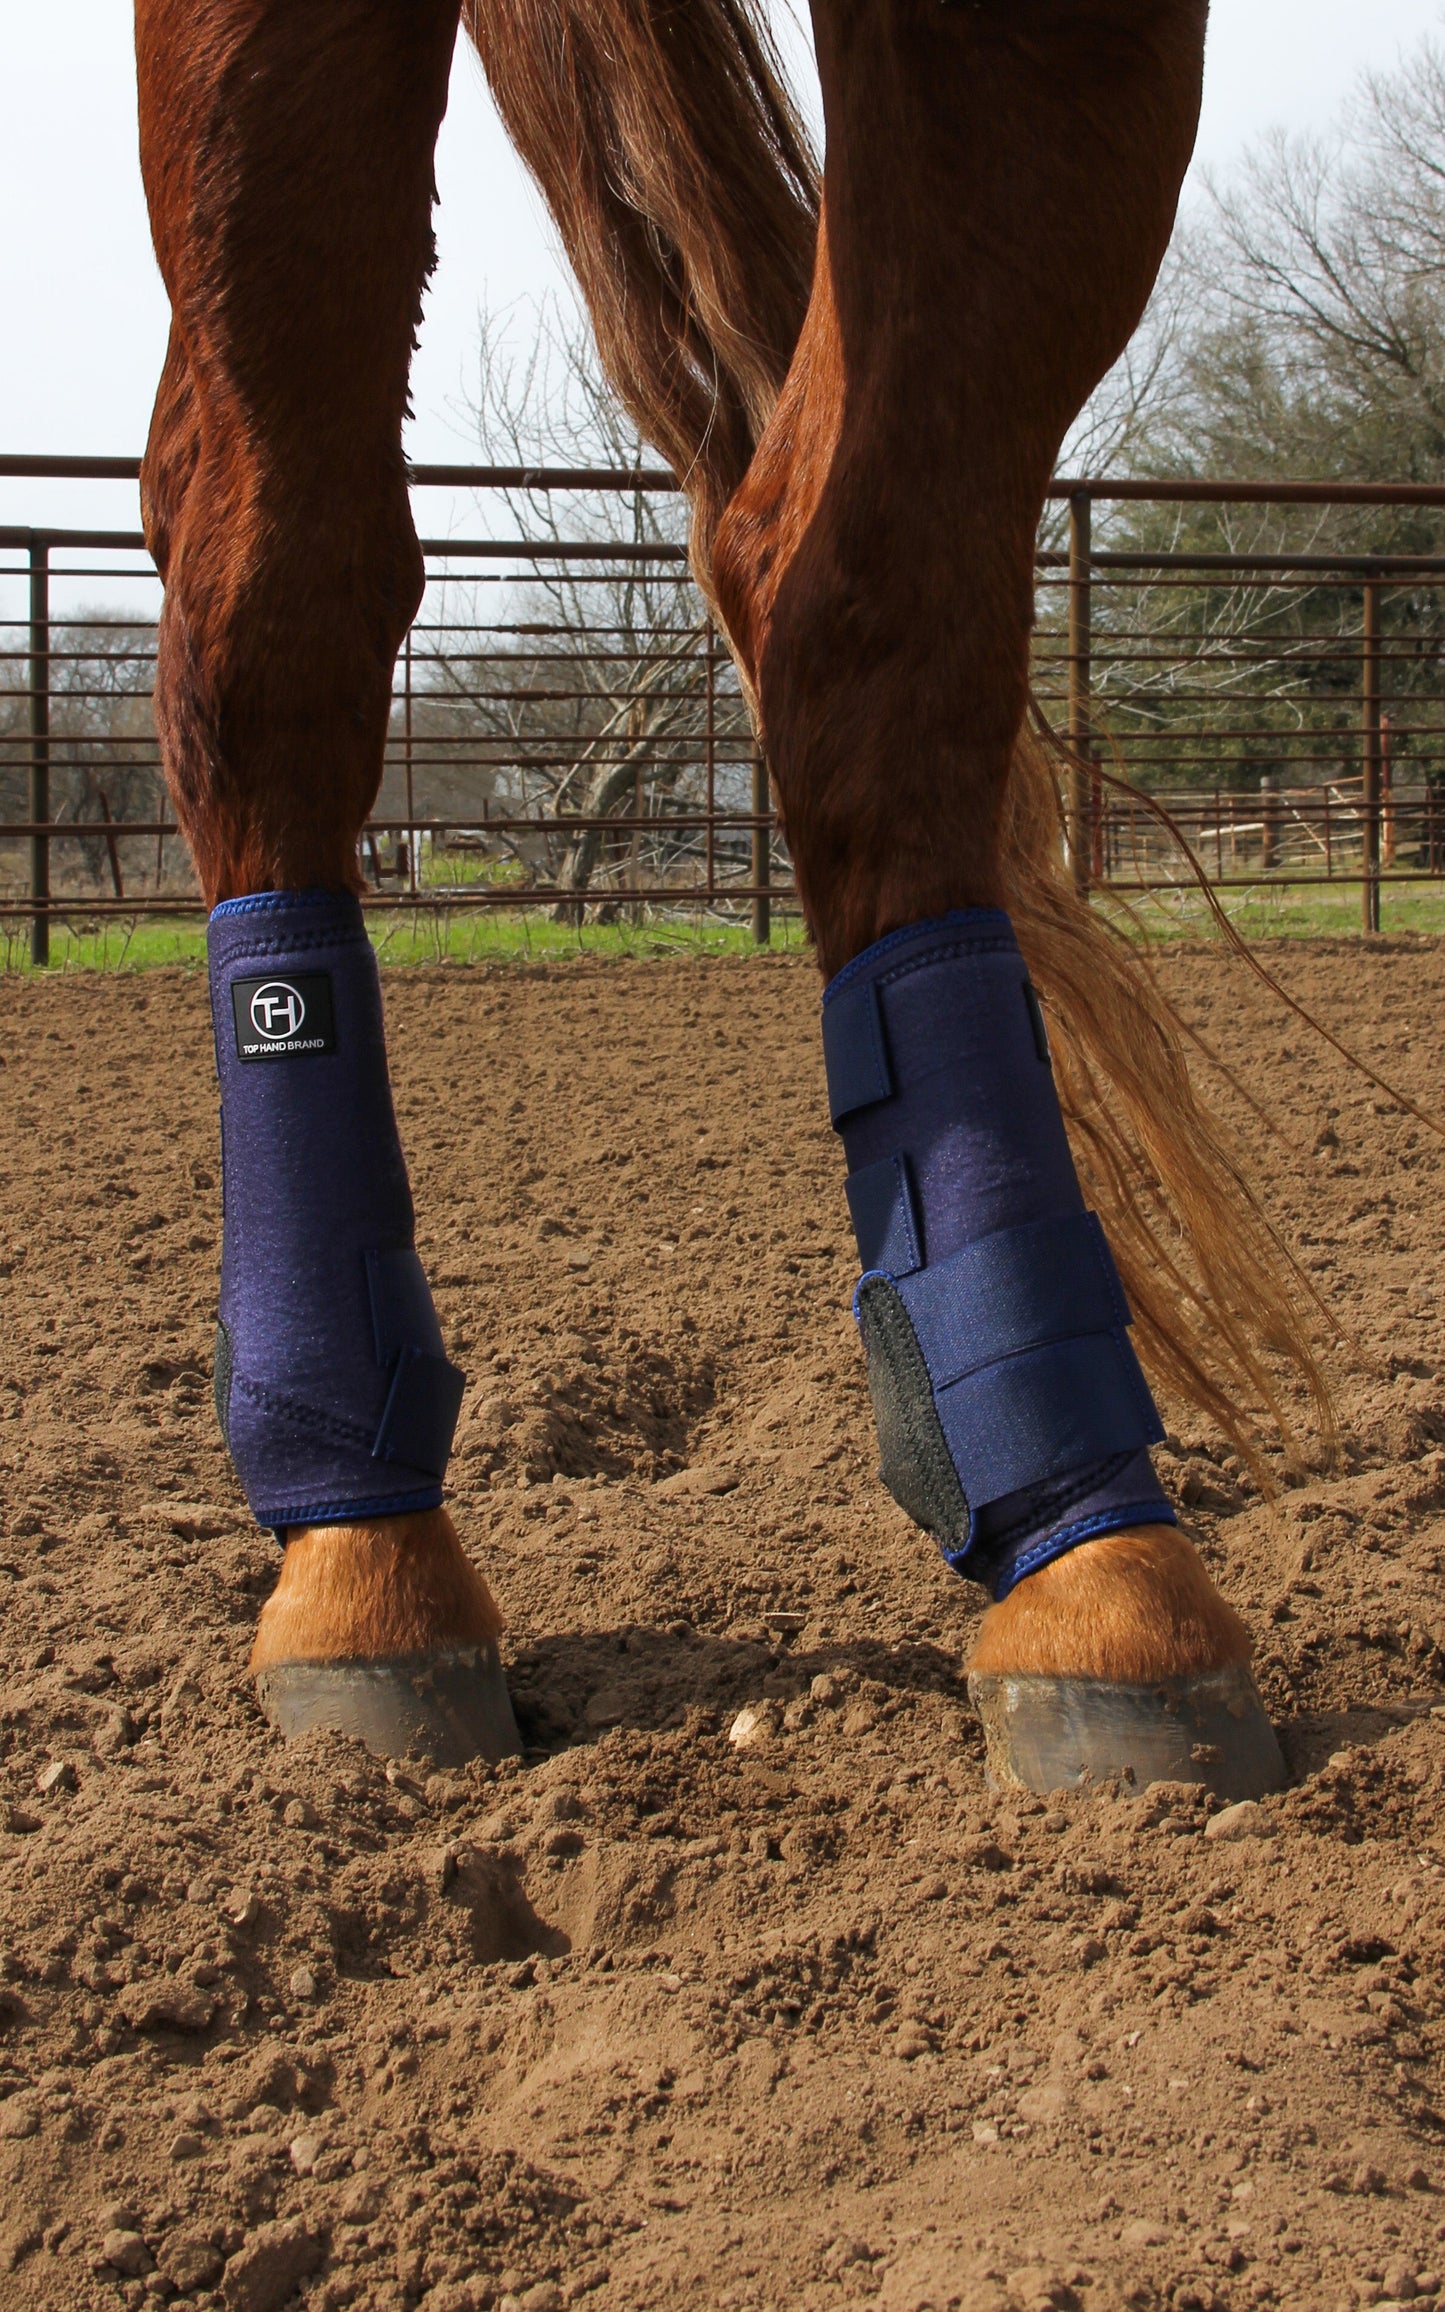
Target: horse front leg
[
  {"x": 288, "y": 164},
  {"x": 999, "y": 190}
]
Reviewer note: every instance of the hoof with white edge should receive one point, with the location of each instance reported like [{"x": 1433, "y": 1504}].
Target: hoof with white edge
[
  {"x": 1053, "y": 1733},
  {"x": 449, "y": 1707}
]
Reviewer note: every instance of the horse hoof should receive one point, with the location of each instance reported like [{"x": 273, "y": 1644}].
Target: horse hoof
[
  {"x": 447, "y": 1707},
  {"x": 1053, "y": 1733}
]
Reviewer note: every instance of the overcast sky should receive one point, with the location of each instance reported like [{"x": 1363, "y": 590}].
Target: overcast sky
[{"x": 85, "y": 316}]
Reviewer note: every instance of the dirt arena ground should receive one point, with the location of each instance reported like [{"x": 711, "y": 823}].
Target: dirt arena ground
[{"x": 652, "y": 2018}]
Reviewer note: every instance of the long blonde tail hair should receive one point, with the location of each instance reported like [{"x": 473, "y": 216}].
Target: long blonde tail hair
[{"x": 1219, "y": 1301}]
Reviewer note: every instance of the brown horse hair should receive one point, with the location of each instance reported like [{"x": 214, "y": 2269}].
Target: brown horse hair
[
  {"x": 682, "y": 182},
  {"x": 397, "y": 1586},
  {"x": 1131, "y": 1607}
]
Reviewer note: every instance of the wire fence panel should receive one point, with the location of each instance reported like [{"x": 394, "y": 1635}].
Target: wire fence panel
[{"x": 1246, "y": 684}]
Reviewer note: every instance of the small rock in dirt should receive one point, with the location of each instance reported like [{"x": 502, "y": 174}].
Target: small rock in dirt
[
  {"x": 57, "y": 1776},
  {"x": 705, "y": 1477},
  {"x": 1367, "y": 2180},
  {"x": 824, "y": 1690},
  {"x": 190, "y": 2260},
  {"x": 262, "y": 2274},
  {"x": 1246, "y": 1819},
  {"x": 546, "y": 2296},
  {"x": 304, "y": 2151},
  {"x": 439, "y": 1868},
  {"x": 126, "y": 2253},
  {"x": 241, "y": 1907},
  {"x": 167, "y": 2006},
  {"x": 186, "y": 2146},
  {"x": 754, "y": 1724},
  {"x": 1037, "y": 2289},
  {"x": 1142, "y": 2234},
  {"x": 16, "y": 2243},
  {"x": 985, "y": 1854},
  {"x": 17, "y": 2120},
  {"x": 115, "y": 1732},
  {"x": 1400, "y": 2281},
  {"x": 1417, "y": 2179},
  {"x": 607, "y": 1707},
  {"x": 302, "y": 1983},
  {"x": 273, "y": 2079},
  {"x": 361, "y": 2202}
]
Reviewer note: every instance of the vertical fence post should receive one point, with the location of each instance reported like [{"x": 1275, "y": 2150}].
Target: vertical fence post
[
  {"x": 762, "y": 851},
  {"x": 1268, "y": 822},
  {"x": 40, "y": 749},
  {"x": 1080, "y": 677},
  {"x": 710, "y": 746},
  {"x": 1370, "y": 737},
  {"x": 411, "y": 841}
]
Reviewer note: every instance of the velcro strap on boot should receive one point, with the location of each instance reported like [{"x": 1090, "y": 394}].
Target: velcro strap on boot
[{"x": 1028, "y": 1359}]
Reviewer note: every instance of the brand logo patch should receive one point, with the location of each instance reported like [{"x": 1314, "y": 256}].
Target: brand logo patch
[{"x": 279, "y": 1019}]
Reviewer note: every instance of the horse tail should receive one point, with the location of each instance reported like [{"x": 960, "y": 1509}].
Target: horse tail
[
  {"x": 682, "y": 182},
  {"x": 1222, "y": 1309}
]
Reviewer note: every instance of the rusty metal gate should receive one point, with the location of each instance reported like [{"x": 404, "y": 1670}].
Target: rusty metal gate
[{"x": 568, "y": 732}]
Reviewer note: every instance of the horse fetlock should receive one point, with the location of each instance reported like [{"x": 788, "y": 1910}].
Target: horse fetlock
[
  {"x": 381, "y": 1590},
  {"x": 1132, "y": 1608}
]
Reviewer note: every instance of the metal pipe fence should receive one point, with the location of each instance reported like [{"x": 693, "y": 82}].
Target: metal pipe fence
[{"x": 1245, "y": 675}]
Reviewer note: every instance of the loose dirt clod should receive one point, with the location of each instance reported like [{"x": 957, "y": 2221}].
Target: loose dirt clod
[{"x": 653, "y": 2015}]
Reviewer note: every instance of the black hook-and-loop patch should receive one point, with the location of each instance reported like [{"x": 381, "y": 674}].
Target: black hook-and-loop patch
[{"x": 917, "y": 1467}]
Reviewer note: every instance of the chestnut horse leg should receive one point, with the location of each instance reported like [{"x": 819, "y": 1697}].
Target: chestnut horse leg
[
  {"x": 287, "y": 155},
  {"x": 999, "y": 190}
]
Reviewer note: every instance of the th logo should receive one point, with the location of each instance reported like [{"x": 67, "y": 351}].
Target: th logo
[{"x": 277, "y": 1010}]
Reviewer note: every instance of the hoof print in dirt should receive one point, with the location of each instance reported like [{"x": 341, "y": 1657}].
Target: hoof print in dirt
[
  {"x": 484, "y": 1899},
  {"x": 543, "y": 1721}
]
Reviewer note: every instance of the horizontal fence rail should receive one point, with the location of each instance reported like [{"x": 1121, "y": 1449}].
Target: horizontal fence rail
[{"x": 1246, "y": 680}]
